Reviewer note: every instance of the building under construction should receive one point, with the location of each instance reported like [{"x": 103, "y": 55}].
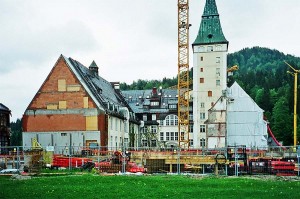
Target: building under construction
[
  {"x": 78, "y": 114},
  {"x": 76, "y": 106}
]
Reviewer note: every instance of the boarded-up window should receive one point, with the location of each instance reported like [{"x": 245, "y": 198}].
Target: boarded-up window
[
  {"x": 61, "y": 85},
  {"x": 62, "y": 104},
  {"x": 85, "y": 102},
  {"x": 75, "y": 87},
  {"x": 51, "y": 106},
  {"x": 91, "y": 123},
  {"x": 209, "y": 93}
]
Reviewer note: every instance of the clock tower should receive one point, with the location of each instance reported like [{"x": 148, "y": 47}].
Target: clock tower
[{"x": 209, "y": 69}]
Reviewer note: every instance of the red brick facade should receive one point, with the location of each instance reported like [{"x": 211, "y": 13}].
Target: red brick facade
[{"x": 49, "y": 94}]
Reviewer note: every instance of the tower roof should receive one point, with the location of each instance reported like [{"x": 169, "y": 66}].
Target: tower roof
[
  {"x": 210, "y": 31},
  {"x": 93, "y": 65}
]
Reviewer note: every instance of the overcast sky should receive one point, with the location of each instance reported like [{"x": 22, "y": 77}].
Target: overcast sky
[{"x": 128, "y": 39}]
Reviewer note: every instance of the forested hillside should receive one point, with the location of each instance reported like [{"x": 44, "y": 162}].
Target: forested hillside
[{"x": 263, "y": 75}]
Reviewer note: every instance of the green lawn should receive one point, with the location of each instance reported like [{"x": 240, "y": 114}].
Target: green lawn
[{"x": 94, "y": 186}]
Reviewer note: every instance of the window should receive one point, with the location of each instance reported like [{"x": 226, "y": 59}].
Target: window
[
  {"x": 116, "y": 124},
  {"x": 209, "y": 93},
  {"x": 176, "y": 136},
  {"x": 153, "y": 129},
  {"x": 120, "y": 125},
  {"x": 202, "y": 116},
  {"x": 191, "y": 142},
  {"x": 171, "y": 120},
  {"x": 161, "y": 122},
  {"x": 154, "y": 103},
  {"x": 218, "y": 71},
  {"x": 201, "y": 58},
  {"x": 63, "y": 134},
  {"x": 111, "y": 123},
  {"x": 201, "y": 69},
  {"x": 161, "y": 136},
  {"x": 172, "y": 135},
  {"x": 202, "y": 128},
  {"x": 144, "y": 143},
  {"x": 61, "y": 85},
  {"x": 218, "y": 82},
  {"x": 201, "y": 80},
  {"x": 202, "y": 105},
  {"x": 202, "y": 142},
  {"x": 218, "y": 59},
  {"x": 191, "y": 128},
  {"x": 153, "y": 117},
  {"x": 111, "y": 141},
  {"x": 172, "y": 106},
  {"x": 91, "y": 123},
  {"x": 144, "y": 117},
  {"x": 85, "y": 102},
  {"x": 167, "y": 136},
  {"x": 191, "y": 117}
]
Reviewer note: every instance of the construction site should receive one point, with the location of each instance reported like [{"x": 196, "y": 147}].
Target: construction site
[
  {"x": 80, "y": 121},
  {"x": 235, "y": 160}
]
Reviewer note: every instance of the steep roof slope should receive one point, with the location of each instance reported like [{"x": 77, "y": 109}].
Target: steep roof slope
[{"x": 100, "y": 89}]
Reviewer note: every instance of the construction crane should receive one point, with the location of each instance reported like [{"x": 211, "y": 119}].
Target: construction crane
[
  {"x": 232, "y": 68},
  {"x": 295, "y": 74},
  {"x": 183, "y": 73}
]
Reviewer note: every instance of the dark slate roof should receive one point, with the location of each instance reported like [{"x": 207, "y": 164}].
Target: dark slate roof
[
  {"x": 3, "y": 108},
  {"x": 138, "y": 99},
  {"x": 102, "y": 90},
  {"x": 210, "y": 31}
]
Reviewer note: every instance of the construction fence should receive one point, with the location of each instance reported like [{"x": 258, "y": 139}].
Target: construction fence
[{"x": 232, "y": 160}]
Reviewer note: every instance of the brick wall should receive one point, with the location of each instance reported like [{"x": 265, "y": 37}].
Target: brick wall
[
  {"x": 41, "y": 123},
  {"x": 49, "y": 94}
]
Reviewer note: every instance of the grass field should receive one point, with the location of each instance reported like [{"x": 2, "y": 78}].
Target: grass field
[{"x": 95, "y": 186}]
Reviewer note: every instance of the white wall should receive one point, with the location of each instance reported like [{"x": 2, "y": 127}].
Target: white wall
[{"x": 210, "y": 61}]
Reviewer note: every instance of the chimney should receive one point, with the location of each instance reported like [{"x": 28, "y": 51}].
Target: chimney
[
  {"x": 94, "y": 68},
  {"x": 154, "y": 92},
  {"x": 116, "y": 85}
]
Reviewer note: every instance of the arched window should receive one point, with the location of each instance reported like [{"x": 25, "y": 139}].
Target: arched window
[{"x": 171, "y": 120}]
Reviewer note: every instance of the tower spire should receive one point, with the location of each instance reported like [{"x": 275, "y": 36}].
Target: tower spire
[{"x": 210, "y": 31}]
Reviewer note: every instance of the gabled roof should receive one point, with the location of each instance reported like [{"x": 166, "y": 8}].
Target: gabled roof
[
  {"x": 99, "y": 89},
  {"x": 210, "y": 30}
]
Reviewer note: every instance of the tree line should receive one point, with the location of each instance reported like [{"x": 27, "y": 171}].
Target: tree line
[{"x": 263, "y": 75}]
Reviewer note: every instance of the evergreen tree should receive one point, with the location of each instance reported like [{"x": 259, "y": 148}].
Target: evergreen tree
[
  {"x": 16, "y": 133},
  {"x": 282, "y": 121}
]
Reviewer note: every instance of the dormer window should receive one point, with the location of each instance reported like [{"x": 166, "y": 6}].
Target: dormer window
[
  {"x": 172, "y": 106},
  {"x": 155, "y": 103}
]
